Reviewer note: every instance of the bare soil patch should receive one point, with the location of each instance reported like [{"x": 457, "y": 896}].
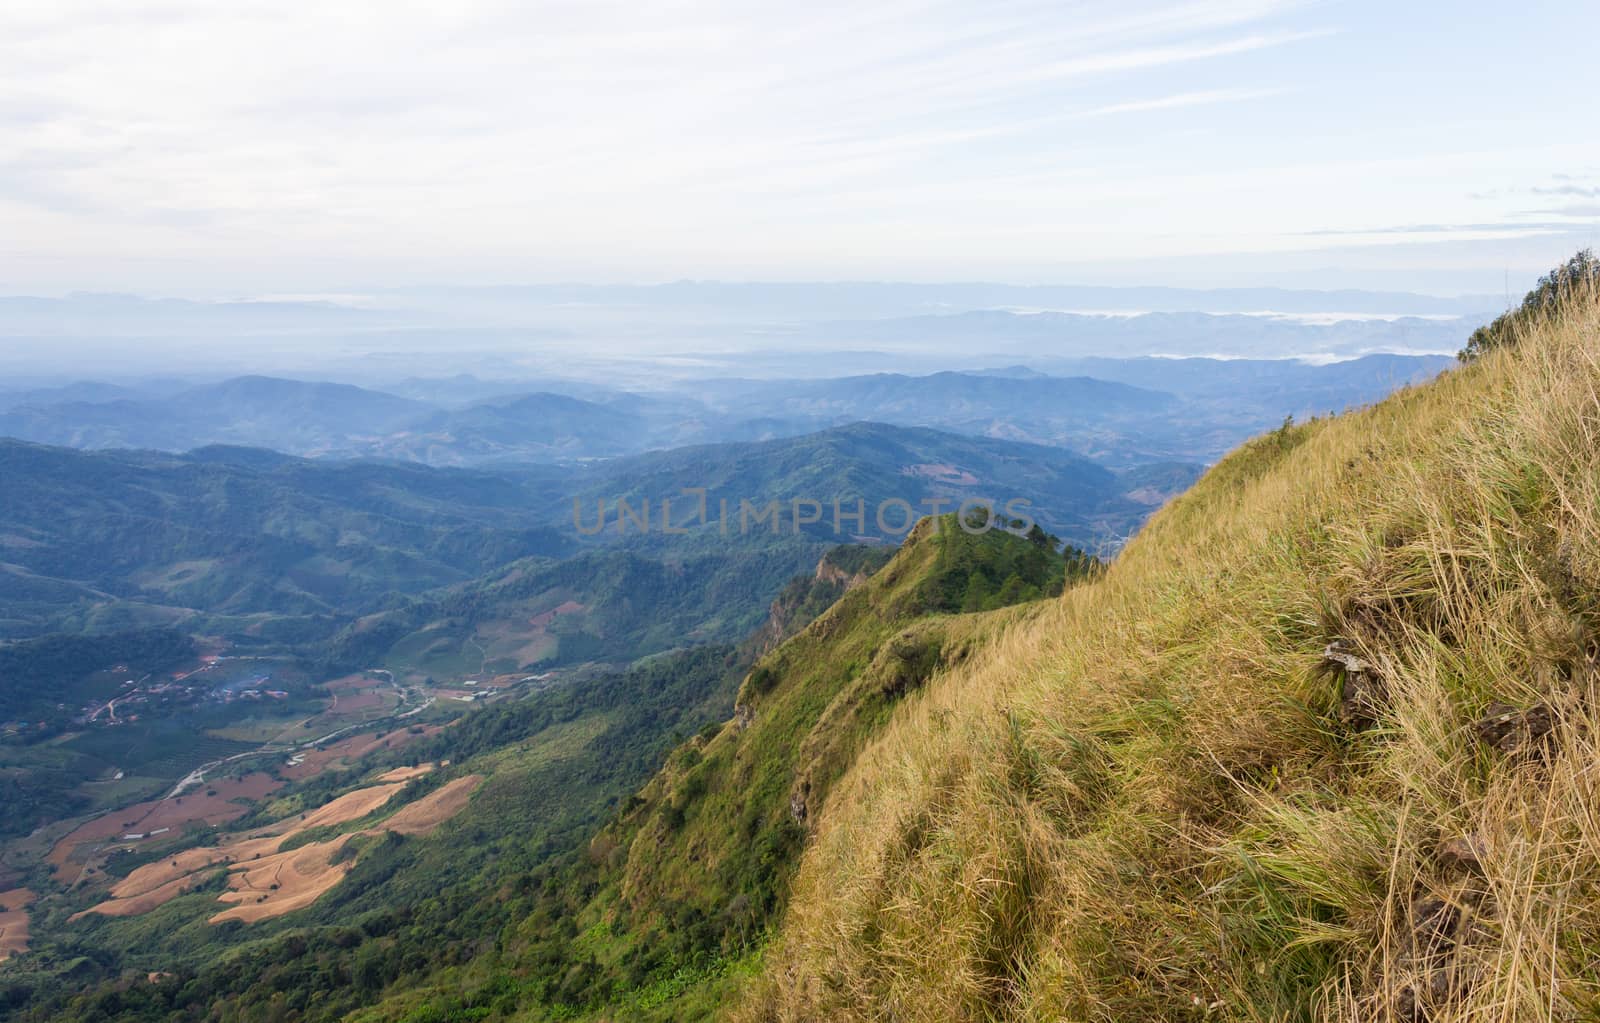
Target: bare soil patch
[
  {"x": 566, "y": 608},
  {"x": 435, "y": 808},
  {"x": 283, "y": 882},
  {"x": 144, "y": 902},
  {"x": 943, "y": 473},
  {"x": 265, "y": 880},
  {"x": 405, "y": 773},
  {"x": 241, "y": 850}
]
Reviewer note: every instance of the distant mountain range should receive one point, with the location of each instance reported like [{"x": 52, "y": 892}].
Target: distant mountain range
[
  {"x": 286, "y": 415},
  {"x": 1123, "y": 411}
]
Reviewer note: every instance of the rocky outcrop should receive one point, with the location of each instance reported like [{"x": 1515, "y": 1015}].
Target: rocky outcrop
[
  {"x": 1361, "y": 691},
  {"x": 1515, "y": 730}
]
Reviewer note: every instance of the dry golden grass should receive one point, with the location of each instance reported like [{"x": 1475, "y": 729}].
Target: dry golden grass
[{"x": 1142, "y": 804}]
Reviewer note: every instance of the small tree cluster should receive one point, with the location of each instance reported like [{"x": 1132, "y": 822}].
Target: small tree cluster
[{"x": 1554, "y": 288}]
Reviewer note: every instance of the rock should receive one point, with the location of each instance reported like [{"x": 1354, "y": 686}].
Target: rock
[
  {"x": 1361, "y": 693},
  {"x": 1434, "y": 927},
  {"x": 1515, "y": 730},
  {"x": 1434, "y": 971},
  {"x": 1463, "y": 853}
]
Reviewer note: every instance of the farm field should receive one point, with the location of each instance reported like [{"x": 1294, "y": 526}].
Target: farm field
[
  {"x": 157, "y": 749},
  {"x": 294, "y": 879},
  {"x": 345, "y": 752},
  {"x": 266, "y": 879},
  {"x": 265, "y": 730},
  {"x": 109, "y": 793},
  {"x": 153, "y": 820},
  {"x": 359, "y": 698}
]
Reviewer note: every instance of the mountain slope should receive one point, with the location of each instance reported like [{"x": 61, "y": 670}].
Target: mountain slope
[
  {"x": 1318, "y": 746},
  {"x": 679, "y": 889},
  {"x": 728, "y": 821}
]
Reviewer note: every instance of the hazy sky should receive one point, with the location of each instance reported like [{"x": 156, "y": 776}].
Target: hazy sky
[{"x": 181, "y": 147}]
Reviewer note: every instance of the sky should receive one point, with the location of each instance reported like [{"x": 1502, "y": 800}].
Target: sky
[{"x": 191, "y": 148}]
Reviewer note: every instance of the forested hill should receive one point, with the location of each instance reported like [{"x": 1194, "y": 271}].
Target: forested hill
[{"x": 286, "y": 552}]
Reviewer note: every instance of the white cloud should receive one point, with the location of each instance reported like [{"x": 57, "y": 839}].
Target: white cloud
[
  {"x": 182, "y": 141},
  {"x": 1183, "y": 99}
]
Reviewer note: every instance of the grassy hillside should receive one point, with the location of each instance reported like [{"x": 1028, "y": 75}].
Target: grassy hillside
[{"x": 1320, "y": 745}]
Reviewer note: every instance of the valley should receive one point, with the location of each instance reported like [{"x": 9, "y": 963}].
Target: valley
[{"x": 267, "y": 737}]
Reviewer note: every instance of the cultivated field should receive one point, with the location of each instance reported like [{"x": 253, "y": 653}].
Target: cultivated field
[
  {"x": 265, "y": 879},
  {"x": 435, "y": 808},
  {"x": 212, "y": 804},
  {"x": 283, "y": 882}
]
